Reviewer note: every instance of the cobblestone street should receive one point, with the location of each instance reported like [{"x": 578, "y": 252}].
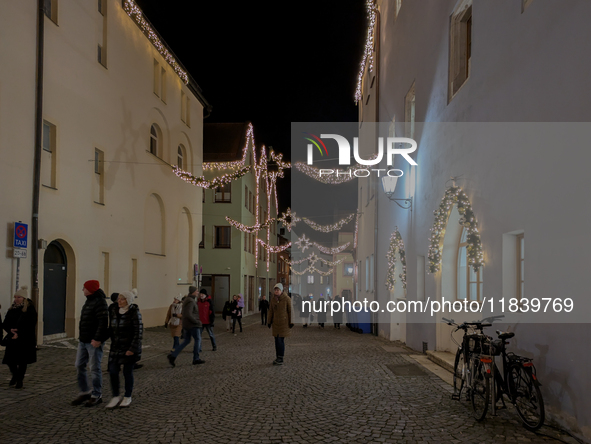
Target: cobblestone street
[{"x": 336, "y": 386}]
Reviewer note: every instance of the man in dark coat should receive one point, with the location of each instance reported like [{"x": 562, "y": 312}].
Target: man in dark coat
[
  {"x": 192, "y": 327},
  {"x": 94, "y": 331},
  {"x": 263, "y": 308}
]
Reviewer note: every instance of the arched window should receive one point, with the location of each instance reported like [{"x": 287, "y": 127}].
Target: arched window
[
  {"x": 181, "y": 157},
  {"x": 469, "y": 282},
  {"x": 154, "y": 137}
]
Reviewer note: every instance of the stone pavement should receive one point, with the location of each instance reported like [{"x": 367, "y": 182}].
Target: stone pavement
[{"x": 335, "y": 386}]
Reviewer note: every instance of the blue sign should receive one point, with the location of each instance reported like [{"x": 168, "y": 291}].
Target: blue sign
[{"x": 20, "y": 235}]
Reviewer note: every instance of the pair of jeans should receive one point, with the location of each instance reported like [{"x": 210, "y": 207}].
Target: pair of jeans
[
  {"x": 194, "y": 333},
  {"x": 263, "y": 317},
  {"x": 87, "y": 353},
  {"x": 209, "y": 329},
  {"x": 127, "y": 375},
  {"x": 279, "y": 346},
  {"x": 234, "y": 324}
]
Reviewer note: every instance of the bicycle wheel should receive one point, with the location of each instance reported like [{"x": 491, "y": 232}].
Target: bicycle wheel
[
  {"x": 459, "y": 374},
  {"x": 479, "y": 390},
  {"x": 527, "y": 398}
]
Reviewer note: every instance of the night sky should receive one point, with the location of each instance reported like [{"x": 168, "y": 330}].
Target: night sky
[{"x": 270, "y": 63}]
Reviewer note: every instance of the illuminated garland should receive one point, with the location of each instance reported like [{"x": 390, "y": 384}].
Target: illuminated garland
[
  {"x": 368, "y": 52},
  {"x": 313, "y": 258},
  {"x": 209, "y": 184},
  {"x": 274, "y": 248},
  {"x": 328, "y": 228},
  {"x": 455, "y": 195},
  {"x": 396, "y": 243},
  {"x": 312, "y": 269},
  {"x": 235, "y": 163},
  {"x": 304, "y": 243},
  {"x": 136, "y": 14},
  {"x": 249, "y": 229},
  {"x": 356, "y": 230}
]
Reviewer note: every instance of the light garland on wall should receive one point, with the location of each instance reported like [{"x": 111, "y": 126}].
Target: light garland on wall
[
  {"x": 209, "y": 184},
  {"x": 234, "y": 164},
  {"x": 455, "y": 195},
  {"x": 328, "y": 228},
  {"x": 136, "y": 14},
  {"x": 396, "y": 244},
  {"x": 368, "y": 51}
]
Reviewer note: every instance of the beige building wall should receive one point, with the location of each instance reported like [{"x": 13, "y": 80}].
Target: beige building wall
[{"x": 138, "y": 221}]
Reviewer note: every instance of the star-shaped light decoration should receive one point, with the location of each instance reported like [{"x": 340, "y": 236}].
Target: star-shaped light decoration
[
  {"x": 289, "y": 219},
  {"x": 303, "y": 243}
]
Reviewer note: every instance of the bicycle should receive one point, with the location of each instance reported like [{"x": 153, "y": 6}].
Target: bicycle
[
  {"x": 518, "y": 382},
  {"x": 469, "y": 366}
]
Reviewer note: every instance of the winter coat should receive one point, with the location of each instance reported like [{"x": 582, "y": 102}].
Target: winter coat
[
  {"x": 236, "y": 310},
  {"x": 191, "y": 313},
  {"x": 23, "y": 349},
  {"x": 264, "y": 305},
  {"x": 337, "y": 317},
  {"x": 94, "y": 318},
  {"x": 280, "y": 315},
  {"x": 322, "y": 312},
  {"x": 126, "y": 331},
  {"x": 175, "y": 330},
  {"x": 206, "y": 314},
  {"x": 227, "y": 310}
]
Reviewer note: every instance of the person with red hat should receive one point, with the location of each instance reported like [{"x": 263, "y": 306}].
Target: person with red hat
[{"x": 94, "y": 331}]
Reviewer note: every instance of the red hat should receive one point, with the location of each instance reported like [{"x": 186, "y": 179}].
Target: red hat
[{"x": 92, "y": 286}]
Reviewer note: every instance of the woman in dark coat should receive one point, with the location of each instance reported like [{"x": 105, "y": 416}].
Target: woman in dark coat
[
  {"x": 321, "y": 313},
  {"x": 21, "y": 343},
  {"x": 305, "y": 310},
  {"x": 236, "y": 313},
  {"x": 126, "y": 329}
]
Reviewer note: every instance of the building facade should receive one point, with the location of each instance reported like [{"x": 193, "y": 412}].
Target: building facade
[
  {"x": 117, "y": 111},
  {"x": 471, "y": 96}
]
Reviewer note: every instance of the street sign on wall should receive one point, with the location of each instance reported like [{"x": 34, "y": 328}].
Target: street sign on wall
[
  {"x": 19, "y": 253},
  {"x": 21, "y": 232}
]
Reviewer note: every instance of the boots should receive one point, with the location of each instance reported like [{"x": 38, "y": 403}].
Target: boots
[{"x": 278, "y": 361}]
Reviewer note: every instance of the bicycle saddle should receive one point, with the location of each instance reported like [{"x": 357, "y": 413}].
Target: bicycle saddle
[{"x": 505, "y": 335}]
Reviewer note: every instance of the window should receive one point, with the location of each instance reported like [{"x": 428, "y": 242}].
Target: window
[
  {"x": 163, "y": 84},
  {"x": 252, "y": 242},
  {"x": 48, "y": 159},
  {"x": 246, "y": 197},
  {"x": 367, "y": 273},
  {"x": 50, "y": 7},
  {"x": 322, "y": 279},
  {"x": 223, "y": 193},
  {"x": 102, "y": 37},
  {"x": 409, "y": 112},
  {"x": 223, "y": 237},
  {"x": 154, "y": 138},
  {"x": 203, "y": 195},
  {"x": 100, "y": 6},
  {"x": 310, "y": 279},
  {"x": 348, "y": 269},
  {"x": 371, "y": 273},
  {"x": 460, "y": 46},
  {"x": 157, "y": 74},
  {"x": 181, "y": 157},
  {"x": 202, "y": 243},
  {"x": 250, "y": 202},
  {"x": 185, "y": 109},
  {"x": 99, "y": 177},
  {"x": 469, "y": 282},
  {"x": 520, "y": 244},
  {"x": 246, "y": 242}
]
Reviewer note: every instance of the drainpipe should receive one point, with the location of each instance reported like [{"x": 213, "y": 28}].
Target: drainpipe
[{"x": 37, "y": 158}]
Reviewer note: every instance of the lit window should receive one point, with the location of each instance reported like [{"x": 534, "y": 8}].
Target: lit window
[
  {"x": 181, "y": 157},
  {"x": 469, "y": 282},
  {"x": 223, "y": 193},
  {"x": 154, "y": 137},
  {"x": 310, "y": 279},
  {"x": 222, "y": 237},
  {"x": 460, "y": 46}
]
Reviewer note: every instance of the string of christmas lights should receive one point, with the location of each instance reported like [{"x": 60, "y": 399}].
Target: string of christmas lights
[
  {"x": 304, "y": 243},
  {"x": 328, "y": 228},
  {"x": 313, "y": 258},
  {"x": 136, "y": 14},
  {"x": 249, "y": 229},
  {"x": 235, "y": 164},
  {"x": 311, "y": 270},
  {"x": 289, "y": 219},
  {"x": 396, "y": 244},
  {"x": 274, "y": 248},
  {"x": 209, "y": 184},
  {"x": 356, "y": 230},
  {"x": 455, "y": 196},
  {"x": 368, "y": 51}
]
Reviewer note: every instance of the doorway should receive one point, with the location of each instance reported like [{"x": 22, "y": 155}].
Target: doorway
[{"x": 55, "y": 273}]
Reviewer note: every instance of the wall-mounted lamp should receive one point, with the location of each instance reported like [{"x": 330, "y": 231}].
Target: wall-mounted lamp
[{"x": 389, "y": 184}]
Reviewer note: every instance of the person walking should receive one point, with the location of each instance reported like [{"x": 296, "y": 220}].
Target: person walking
[
  {"x": 322, "y": 312},
  {"x": 191, "y": 328},
  {"x": 94, "y": 331},
  {"x": 263, "y": 308},
  {"x": 227, "y": 315},
  {"x": 206, "y": 316},
  {"x": 337, "y": 317},
  {"x": 20, "y": 341},
  {"x": 173, "y": 320},
  {"x": 280, "y": 321},
  {"x": 236, "y": 313},
  {"x": 126, "y": 331},
  {"x": 305, "y": 311}
]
